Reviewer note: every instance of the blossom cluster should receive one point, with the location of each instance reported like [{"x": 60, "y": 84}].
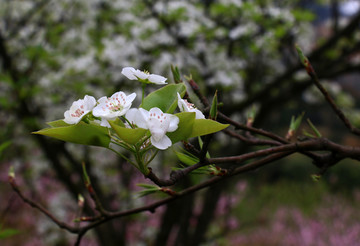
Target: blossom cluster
[{"x": 119, "y": 104}]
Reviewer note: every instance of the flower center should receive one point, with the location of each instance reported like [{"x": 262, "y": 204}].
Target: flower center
[
  {"x": 160, "y": 117},
  {"x": 189, "y": 105},
  {"x": 78, "y": 112},
  {"x": 116, "y": 103}
]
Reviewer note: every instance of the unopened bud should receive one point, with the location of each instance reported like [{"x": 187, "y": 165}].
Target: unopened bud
[
  {"x": 11, "y": 172},
  {"x": 81, "y": 200}
]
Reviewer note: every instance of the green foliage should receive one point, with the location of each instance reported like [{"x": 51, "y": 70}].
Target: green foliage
[
  {"x": 81, "y": 133},
  {"x": 129, "y": 135},
  {"x": 164, "y": 98},
  {"x": 214, "y": 107},
  {"x": 204, "y": 126},
  {"x": 148, "y": 189},
  {"x": 185, "y": 127}
]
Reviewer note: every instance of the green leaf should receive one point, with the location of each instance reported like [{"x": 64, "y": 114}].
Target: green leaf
[
  {"x": 164, "y": 98},
  {"x": 129, "y": 135},
  {"x": 214, "y": 107},
  {"x": 313, "y": 127},
  {"x": 57, "y": 123},
  {"x": 176, "y": 74},
  {"x": 295, "y": 123},
  {"x": 204, "y": 126},
  {"x": 185, "y": 127},
  {"x": 187, "y": 158},
  {"x": 81, "y": 133},
  {"x": 149, "y": 189}
]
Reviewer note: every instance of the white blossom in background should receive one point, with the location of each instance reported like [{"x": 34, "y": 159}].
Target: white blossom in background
[
  {"x": 157, "y": 122},
  {"x": 79, "y": 109},
  {"x": 185, "y": 106},
  {"x": 109, "y": 108},
  {"x": 136, "y": 74}
]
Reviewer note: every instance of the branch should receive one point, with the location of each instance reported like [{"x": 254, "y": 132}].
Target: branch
[
  {"x": 311, "y": 72},
  {"x": 152, "y": 207},
  {"x": 37, "y": 206}
]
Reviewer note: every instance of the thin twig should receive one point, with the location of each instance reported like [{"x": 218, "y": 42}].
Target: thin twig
[
  {"x": 329, "y": 99},
  {"x": 43, "y": 210}
]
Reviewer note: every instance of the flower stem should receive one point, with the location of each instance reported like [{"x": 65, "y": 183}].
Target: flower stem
[{"x": 143, "y": 85}]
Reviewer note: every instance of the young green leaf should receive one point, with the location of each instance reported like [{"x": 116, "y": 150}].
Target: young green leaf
[
  {"x": 164, "y": 98},
  {"x": 214, "y": 107},
  {"x": 315, "y": 130},
  {"x": 129, "y": 135},
  {"x": 185, "y": 127},
  {"x": 187, "y": 158},
  {"x": 176, "y": 74},
  {"x": 81, "y": 133},
  {"x": 149, "y": 189},
  {"x": 57, "y": 123},
  {"x": 204, "y": 126}
]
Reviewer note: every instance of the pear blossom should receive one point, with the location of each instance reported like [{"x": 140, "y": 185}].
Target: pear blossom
[
  {"x": 143, "y": 76},
  {"x": 185, "y": 106},
  {"x": 79, "y": 109},
  {"x": 109, "y": 108},
  {"x": 157, "y": 122}
]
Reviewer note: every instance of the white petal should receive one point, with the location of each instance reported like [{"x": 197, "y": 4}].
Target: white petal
[
  {"x": 163, "y": 143},
  {"x": 102, "y": 100},
  {"x": 105, "y": 123},
  {"x": 157, "y": 79},
  {"x": 145, "y": 114},
  {"x": 135, "y": 116},
  {"x": 89, "y": 102},
  {"x": 129, "y": 72},
  {"x": 174, "y": 121},
  {"x": 199, "y": 114},
  {"x": 140, "y": 74},
  {"x": 130, "y": 98},
  {"x": 157, "y": 133},
  {"x": 69, "y": 119},
  {"x": 156, "y": 110},
  {"x": 100, "y": 110},
  {"x": 182, "y": 104}
]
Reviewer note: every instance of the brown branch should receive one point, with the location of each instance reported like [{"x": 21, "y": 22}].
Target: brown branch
[
  {"x": 43, "y": 210},
  {"x": 329, "y": 99},
  {"x": 152, "y": 207},
  {"x": 251, "y": 140},
  {"x": 175, "y": 176},
  {"x": 252, "y": 129},
  {"x": 318, "y": 144}
]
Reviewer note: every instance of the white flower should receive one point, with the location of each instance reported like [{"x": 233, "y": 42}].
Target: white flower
[
  {"x": 79, "y": 109},
  {"x": 109, "y": 108},
  {"x": 157, "y": 122},
  {"x": 136, "y": 74},
  {"x": 185, "y": 106}
]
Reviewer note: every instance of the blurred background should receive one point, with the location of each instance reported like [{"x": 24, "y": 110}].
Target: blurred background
[{"x": 54, "y": 52}]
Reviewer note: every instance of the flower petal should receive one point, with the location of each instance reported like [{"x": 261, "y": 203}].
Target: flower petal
[
  {"x": 157, "y": 79},
  {"x": 129, "y": 73},
  {"x": 105, "y": 123},
  {"x": 163, "y": 143},
  {"x": 174, "y": 121},
  {"x": 140, "y": 74},
  {"x": 198, "y": 114},
  {"x": 130, "y": 98},
  {"x": 181, "y": 104},
  {"x": 79, "y": 109},
  {"x": 135, "y": 117}
]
